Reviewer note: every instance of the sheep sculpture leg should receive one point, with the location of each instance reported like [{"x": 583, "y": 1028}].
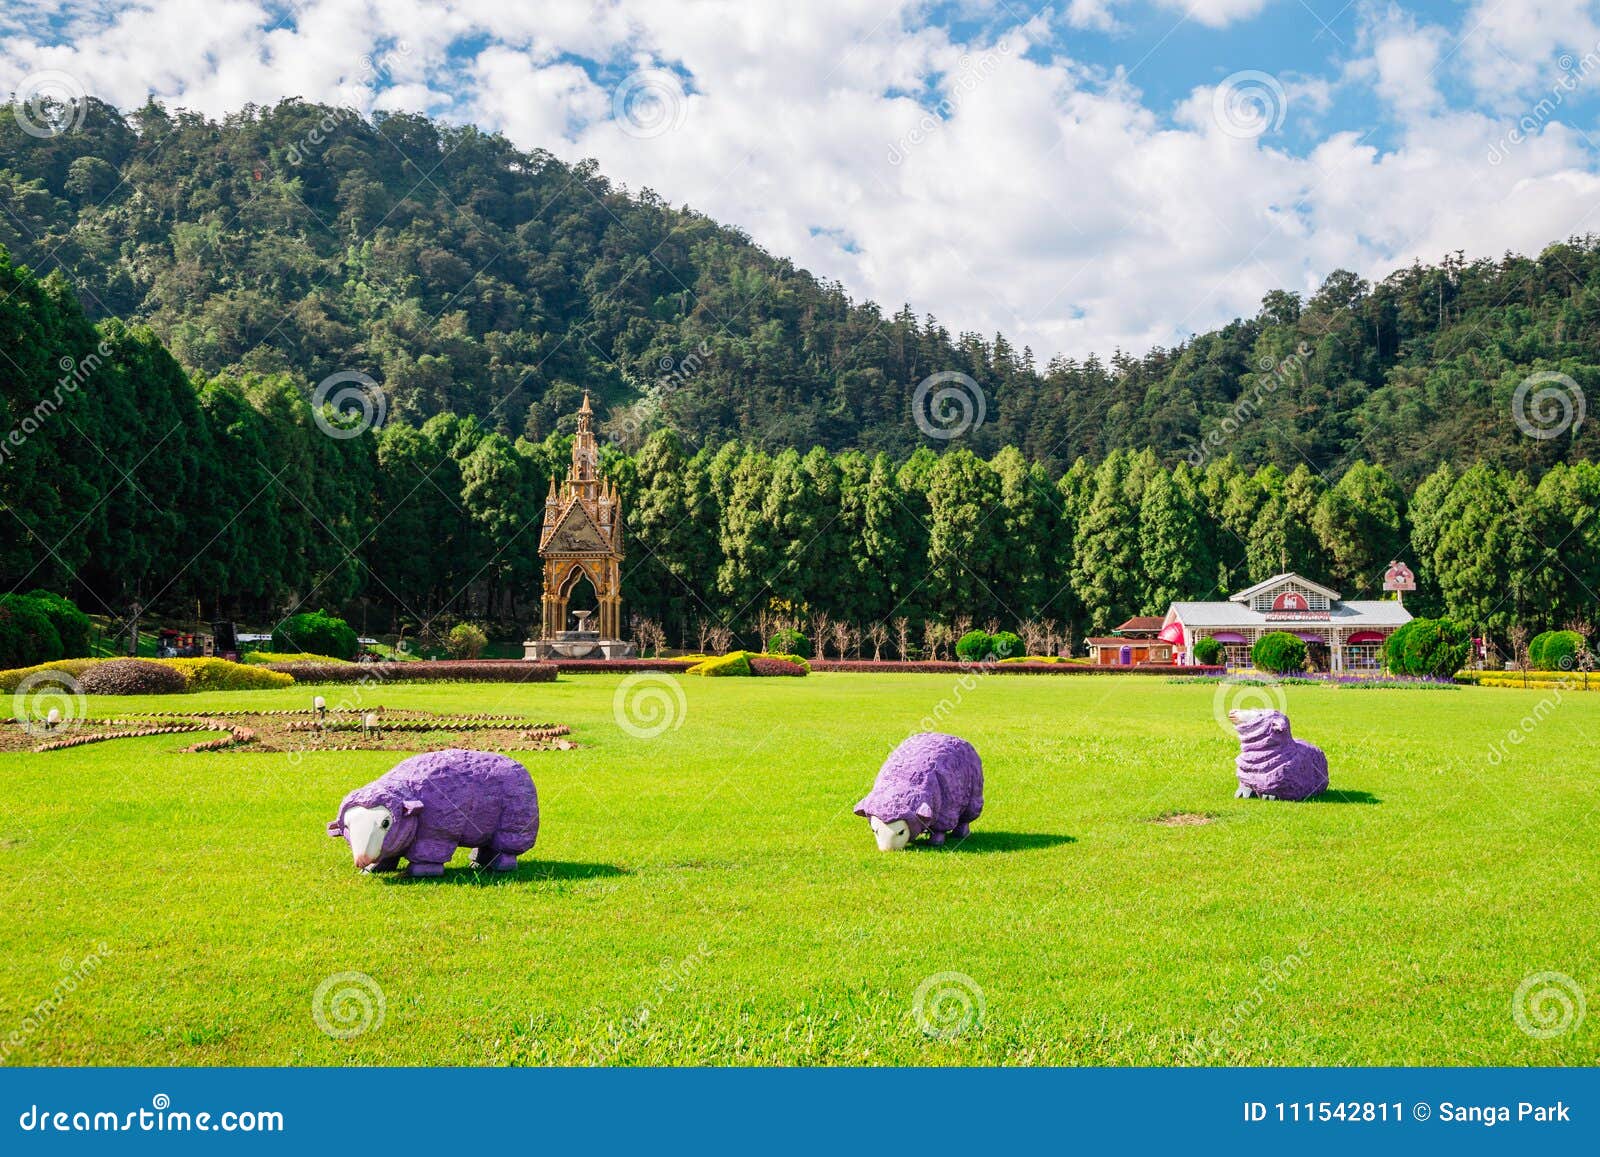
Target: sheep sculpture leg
[{"x": 488, "y": 859}]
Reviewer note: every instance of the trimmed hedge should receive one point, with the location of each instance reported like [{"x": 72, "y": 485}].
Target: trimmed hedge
[
  {"x": 11, "y": 680},
  {"x": 317, "y": 632},
  {"x": 1208, "y": 651},
  {"x": 425, "y": 671},
  {"x": 221, "y": 675},
  {"x": 71, "y": 624},
  {"x": 1279, "y": 652},
  {"x": 738, "y": 663},
  {"x": 261, "y": 658},
  {"x": 132, "y": 677},
  {"x": 789, "y": 642}
]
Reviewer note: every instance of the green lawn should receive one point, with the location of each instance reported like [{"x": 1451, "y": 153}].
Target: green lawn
[{"x": 706, "y": 896}]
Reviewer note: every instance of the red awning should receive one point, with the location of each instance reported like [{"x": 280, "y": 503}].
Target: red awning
[
  {"x": 1309, "y": 637},
  {"x": 1227, "y": 636},
  {"x": 1366, "y": 637},
  {"x": 1172, "y": 633}
]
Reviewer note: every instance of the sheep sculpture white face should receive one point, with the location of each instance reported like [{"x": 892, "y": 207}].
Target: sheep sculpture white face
[
  {"x": 891, "y": 837},
  {"x": 365, "y": 829}
]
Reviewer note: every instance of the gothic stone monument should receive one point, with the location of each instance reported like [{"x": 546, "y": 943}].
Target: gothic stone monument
[{"x": 582, "y": 538}]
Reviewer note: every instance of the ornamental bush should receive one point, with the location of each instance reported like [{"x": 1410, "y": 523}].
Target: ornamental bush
[
  {"x": 465, "y": 641},
  {"x": 1394, "y": 648},
  {"x": 1558, "y": 650},
  {"x": 221, "y": 675},
  {"x": 132, "y": 677},
  {"x": 1207, "y": 651},
  {"x": 11, "y": 680},
  {"x": 1279, "y": 652},
  {"x": 1433, "y": 648},
  {"x": 1536, "y": 650},
  {"x": 974, "y": 646},
  {"x": 426, "y": 671},
  {"x": 71, "y": 624},
  {"x": 733, "y": 663},
  {"x": 1005, "y": 645},
  {"x": 789, "y": 641},
  {"x": 257, "y": 658},
  {"x": 27, "y": 637},
  {"x": 776, "y": 665},
  {"x": 317, "y": 632}
]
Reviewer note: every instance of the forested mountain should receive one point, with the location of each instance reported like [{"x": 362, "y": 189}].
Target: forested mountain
[{"x": 475, "y": 279}]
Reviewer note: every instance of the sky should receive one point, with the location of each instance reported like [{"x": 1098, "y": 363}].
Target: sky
[{"x": 1082, "y": 176}]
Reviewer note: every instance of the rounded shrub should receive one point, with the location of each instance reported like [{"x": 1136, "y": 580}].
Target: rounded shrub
[
  {"x": 1394, "y": 648},
  {"x": 1560, "y": 651},
  {"x": 1434, "y": 648},
  {"x": 733, "y": 663},
  {"x": 465, "y": 641},
  {"x": 316, "y": 632},
  {"x": 788, "y": 641},
  {"x": 221, "y": 675},
  {"x": 777, "y": 665},
  {"x": 1536, "y": 650},
  {"x": 71, "y": 624},
  {"x": 974, "y": 646},
  {"x": 1207, "y": 651},
  {"x": 132, "y": 677},
  {"x": 1005, "y": 645},
  {"x": 1279, "y": 652},
  {"x": 27, "y": 637}
]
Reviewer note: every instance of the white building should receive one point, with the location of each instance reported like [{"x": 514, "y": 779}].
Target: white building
[{"x": 1339, "y": 635}]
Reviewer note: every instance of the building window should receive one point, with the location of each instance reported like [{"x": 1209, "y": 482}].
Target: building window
[
  {"x": 1236, "y": 654},
  {"x": 1362, "y": 657}
]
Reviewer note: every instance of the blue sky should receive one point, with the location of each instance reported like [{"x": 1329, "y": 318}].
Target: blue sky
[{"x": 1080, "y": 176}]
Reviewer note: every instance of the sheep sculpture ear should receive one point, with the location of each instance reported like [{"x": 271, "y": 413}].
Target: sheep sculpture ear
[
  {"x": 336, "y": 828},
  {"x": 412, "y": 806},
  {"x": 925, "y": 811}
]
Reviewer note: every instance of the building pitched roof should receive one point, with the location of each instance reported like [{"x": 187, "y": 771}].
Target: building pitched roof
[
  {"x": 575, "y": 533},
  {"x": 1249, "y": 593},
  {"x": 1124, "y": 641},
  {"x": 1355, "y": 613},
  {"x": 1149, "y": 623}
]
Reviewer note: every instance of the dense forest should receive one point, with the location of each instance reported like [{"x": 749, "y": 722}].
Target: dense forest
[
  {"x": 123, "y": 478},
  {"x": 474, "y": 279}
]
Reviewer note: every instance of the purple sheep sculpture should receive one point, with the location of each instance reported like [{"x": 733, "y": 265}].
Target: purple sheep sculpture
[
  {"x": 427, "y": 806},
  {"x": 1273, "y": 764},
  {"x": 931, "y": 783}
]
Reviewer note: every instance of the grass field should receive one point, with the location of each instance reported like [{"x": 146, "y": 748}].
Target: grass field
[{"x": 706, "y": 895}]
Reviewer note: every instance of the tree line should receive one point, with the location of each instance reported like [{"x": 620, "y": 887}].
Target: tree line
[
  {"x": 125, "y": 480},
  {"x": 475, "y": 278}
]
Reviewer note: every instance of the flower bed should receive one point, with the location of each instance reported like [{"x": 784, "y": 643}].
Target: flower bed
[
  {"x": 611, "y": 666},
  {"x": 427, "y": 671},
  {"x": 1028, "y": 667}
]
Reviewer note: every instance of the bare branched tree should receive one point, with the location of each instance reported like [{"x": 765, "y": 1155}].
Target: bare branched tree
[
  {"x": 844, "y": 637},
  {"x": 902, "y": 636},
  {"x": 877, "y": 635},
  {"x": 1519, "y": 650},
  {"x": 821, "y": 630},
  {"x": 703, "y": 628},
  {"x": 1031, "y": 632},
  {"x": 961, "y": 625}
]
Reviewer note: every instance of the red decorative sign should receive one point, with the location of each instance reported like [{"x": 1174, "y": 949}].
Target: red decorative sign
[
  {"x": 1399, "y": 578},
  {"x": 1297, "y": 616},
  {"x": 1291, "y": 601}
]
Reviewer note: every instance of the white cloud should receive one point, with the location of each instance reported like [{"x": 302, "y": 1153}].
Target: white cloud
[{"x": 1015, "y": 192}]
